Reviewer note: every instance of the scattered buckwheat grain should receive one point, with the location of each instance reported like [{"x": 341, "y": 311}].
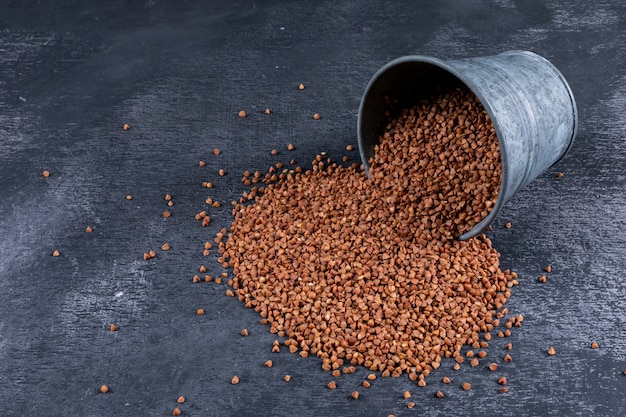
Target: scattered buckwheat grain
[{"x": 368, "y": 271}]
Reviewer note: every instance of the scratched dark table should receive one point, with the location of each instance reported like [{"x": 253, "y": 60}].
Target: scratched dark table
[{"x": 72, "y": 74}]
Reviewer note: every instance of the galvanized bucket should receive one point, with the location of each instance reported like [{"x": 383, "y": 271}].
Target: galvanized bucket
[{"x": 530, "y": 104}]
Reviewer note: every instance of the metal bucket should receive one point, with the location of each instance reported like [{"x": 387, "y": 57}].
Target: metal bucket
[{"x": 530, "y": 104}]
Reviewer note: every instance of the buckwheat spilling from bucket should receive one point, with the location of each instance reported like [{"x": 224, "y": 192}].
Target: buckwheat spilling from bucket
[{"x": 368, "y": 271}]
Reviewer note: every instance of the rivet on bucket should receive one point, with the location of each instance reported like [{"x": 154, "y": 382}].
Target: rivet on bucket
[{"x": 530, "y": 104}]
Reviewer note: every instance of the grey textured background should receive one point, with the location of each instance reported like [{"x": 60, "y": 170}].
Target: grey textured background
[{"x": 72, "y": 73}]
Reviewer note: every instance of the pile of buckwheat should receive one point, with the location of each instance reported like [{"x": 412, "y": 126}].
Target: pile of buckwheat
[{"x": 367, "y": 271}]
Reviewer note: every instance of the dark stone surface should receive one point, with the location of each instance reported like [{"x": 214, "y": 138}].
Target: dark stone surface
[{"x": 71, "y": 74}]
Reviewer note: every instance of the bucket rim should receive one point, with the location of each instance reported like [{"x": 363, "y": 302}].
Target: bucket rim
[{"x": 481, "y": 226}]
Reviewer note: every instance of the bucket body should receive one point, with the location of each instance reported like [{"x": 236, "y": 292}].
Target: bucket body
[{"x": 530, "y": 104}]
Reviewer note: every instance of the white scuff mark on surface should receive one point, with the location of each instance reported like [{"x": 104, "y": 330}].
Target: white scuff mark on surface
[
  {"x": 508, "y": 4},
  {"x": 591, "y": 15}
]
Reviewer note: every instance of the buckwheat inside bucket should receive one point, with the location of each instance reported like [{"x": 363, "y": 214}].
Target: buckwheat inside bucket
[{"x": 367, "y": 271}]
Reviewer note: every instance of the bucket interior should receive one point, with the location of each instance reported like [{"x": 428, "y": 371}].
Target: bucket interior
[
  {"x": 403, "y": 84},
  {"x": 398, "y": 86}
]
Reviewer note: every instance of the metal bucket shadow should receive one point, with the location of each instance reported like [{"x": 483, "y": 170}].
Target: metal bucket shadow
[{"x": 530, "y": 104}]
